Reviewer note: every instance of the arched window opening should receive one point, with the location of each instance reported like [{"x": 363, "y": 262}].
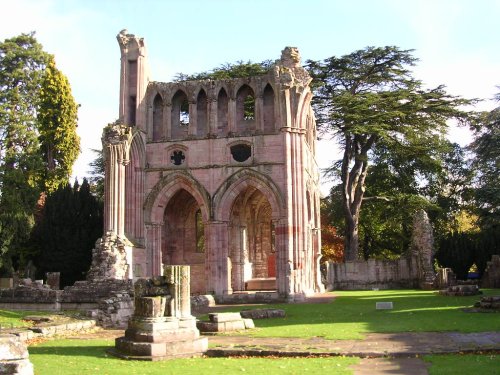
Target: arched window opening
[
  {"x": 184, "y": 113},
  {"x": 308, "y": 199},
  {"x": 157, "y": 118},
  {"x": 268, "y": 108},
  {"x": 222, "y": 110},
  {"x": 200, "y": 232},
  {"x": 180, "y": 115},
  {"x": 249, "y": 108},
  {"x": 201, "y": 114},
  {"x": 245, "y": 109}
]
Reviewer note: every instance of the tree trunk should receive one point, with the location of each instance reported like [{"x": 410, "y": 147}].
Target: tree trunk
[{"x": 353, "y": 188}]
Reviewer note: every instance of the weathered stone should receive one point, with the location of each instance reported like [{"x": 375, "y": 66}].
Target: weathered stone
[
  {"x": 14, "y": 356},
  {"x": 263, "y": 313},
  {"x": 53, "y": 280},
  {"x": 491, "y": 275},
  {"x": 150, "y": 334},
  {"x": 223, "y": 317}
]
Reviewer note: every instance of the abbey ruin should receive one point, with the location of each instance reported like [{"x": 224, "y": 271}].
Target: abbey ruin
[{"x": 219, "y": 175}]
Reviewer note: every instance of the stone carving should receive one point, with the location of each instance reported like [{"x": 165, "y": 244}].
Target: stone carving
[{"x": 162, "y": 326}]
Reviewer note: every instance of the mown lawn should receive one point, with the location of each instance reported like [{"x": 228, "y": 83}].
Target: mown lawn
[
  {"x": 487, "y": 364},
  {"x": 14, "y": 318},
  {"x": 352, "y": 314},
  {"x": 81, "y": 357}
]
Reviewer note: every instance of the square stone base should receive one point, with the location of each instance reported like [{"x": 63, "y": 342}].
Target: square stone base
[{"x": 151, "y": 351}]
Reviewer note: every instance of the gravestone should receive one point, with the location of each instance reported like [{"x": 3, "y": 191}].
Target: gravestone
[{"x": 162, "y": 326}]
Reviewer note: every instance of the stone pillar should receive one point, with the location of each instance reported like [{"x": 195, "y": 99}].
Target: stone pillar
[
  {"x": 134, "y": 79},
  {"x": 153, "y": 246},
  {"x": 178, "y": 278},
  {"x": 217, "y": 254}
]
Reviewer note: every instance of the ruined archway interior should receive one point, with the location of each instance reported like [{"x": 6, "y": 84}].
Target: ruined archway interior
[
  {"x": 183, "y": 240},
  {"x": 251, "y": 252}
]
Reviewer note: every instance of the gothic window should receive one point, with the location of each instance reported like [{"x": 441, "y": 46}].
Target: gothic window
[
  {"x": 241, "y": 152},
  {"x": 177, "y": 157},
  {"x": 157, "y": 118},
  {"x": 200, "y": 232},
  {"x": 245, "y": 108},
  {"x": 201, "y": 114},
  {"x": 268, "y": 104},
  {"x": 222, "y": 110},
  {"x": 180, "y": 115}
]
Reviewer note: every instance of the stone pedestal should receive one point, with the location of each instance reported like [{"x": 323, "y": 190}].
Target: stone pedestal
[{"x": 162, "y": 326}]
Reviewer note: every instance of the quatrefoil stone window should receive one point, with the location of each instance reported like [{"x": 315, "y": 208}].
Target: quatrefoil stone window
[{"x": 177, "y": 157}]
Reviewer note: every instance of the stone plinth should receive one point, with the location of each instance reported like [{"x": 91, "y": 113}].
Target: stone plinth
[
  {"x": 14, "y": 356},
  {"x": 162, "y": 326},
  {"x": 225, "y": 322}
]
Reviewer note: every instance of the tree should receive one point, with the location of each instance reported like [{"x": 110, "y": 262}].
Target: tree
[
  {"x": 97, "y": 170},
  {"x": 369, "y": 99},
  {"x": 63, "y": 239},
  {"x": 239, "y": 69},
  {"x": 22, "y": 64},
  {"x": 57, "y": 122},
  {"x": 486, "y": 147}
]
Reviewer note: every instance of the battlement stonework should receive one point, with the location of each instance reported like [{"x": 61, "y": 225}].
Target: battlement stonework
[{"x": 219, "y": 175}]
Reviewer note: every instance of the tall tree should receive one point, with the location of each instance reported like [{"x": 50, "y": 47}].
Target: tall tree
[
  {"x": 486, "y": 146},
  {"x": 57, "y": 123},
  {"x": 22, "y": 64},
  {"x": 367, "y": 99}
]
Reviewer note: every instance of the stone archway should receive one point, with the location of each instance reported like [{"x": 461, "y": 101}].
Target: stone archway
[
  {"x": 251, "y": 242},
  {"x": 183, "y": 237}
]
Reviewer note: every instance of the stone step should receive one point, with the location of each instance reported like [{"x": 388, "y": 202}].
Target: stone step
[{"x": 268, "y": 283}]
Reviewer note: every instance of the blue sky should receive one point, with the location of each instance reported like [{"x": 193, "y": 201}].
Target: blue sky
[{"x": 456, "y": 41}]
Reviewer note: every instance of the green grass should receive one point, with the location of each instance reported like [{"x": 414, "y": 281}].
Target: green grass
[
  {"x": 463, "y": 364},
  {"x": 14, "y": 318},
  {"x": 80, "y": 357},
  {"x": 352, "y": 314}
]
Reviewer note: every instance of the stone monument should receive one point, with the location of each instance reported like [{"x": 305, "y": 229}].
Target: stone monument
[
  {"x": 421, "y": 249},
  {"x": 162, "y": 326}
]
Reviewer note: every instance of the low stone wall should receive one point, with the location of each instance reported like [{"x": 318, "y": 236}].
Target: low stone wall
[{"x": 365, "y": 275}]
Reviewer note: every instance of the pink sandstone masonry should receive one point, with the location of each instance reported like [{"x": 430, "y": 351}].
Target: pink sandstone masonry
[{"x": 219, "y": 175}]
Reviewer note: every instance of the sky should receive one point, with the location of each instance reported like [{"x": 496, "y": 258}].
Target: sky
[{"x": 457, "y": 43}]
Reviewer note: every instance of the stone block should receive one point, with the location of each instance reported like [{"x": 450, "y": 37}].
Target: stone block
[
  {"x": 223, "y": 317},
  {"x": 135, "y": 348},
  {"x": 249, "y": 324},
  {"x": 162, "y": 336},
  {"x": 384, "y": 306},
  {"x": 235, "y": 325},
  {"x": 263, "y": 313},
  {"x": 11, "y": 348}
]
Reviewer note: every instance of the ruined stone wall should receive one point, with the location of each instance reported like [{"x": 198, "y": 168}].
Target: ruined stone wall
[{"x": 364, "y": 275}]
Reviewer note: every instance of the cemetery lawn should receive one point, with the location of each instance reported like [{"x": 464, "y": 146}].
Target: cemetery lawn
[
  {"x": 352, "y": 314},
  {"x": 80, "y": 357}
]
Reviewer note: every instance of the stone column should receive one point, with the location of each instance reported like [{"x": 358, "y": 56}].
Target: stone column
[
  {"x": 153, "y": 245},
  {"x": 217, "y": 254},
  {"x": 178, "y": 277}
]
